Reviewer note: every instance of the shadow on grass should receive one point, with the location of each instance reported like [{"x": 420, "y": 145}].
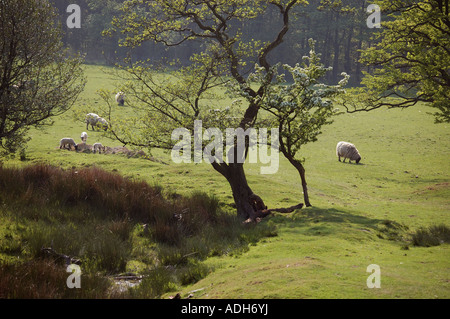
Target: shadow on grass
[
  {"x": 328, "y": 221},
  {"x": 333, "y": 215}
]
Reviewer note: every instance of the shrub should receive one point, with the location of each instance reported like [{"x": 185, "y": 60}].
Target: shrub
[{"x": 431, "y": 236}]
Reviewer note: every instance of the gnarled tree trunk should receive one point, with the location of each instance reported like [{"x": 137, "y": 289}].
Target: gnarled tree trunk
[{"x": 247, "y": 203}]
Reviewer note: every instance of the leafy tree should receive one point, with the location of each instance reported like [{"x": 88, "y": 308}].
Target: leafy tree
[
  {"x": 37, "y": 79},
  {"x": 223, "y": 54},
  {"x": 339, "y": 27},
  {"x": 412, "y": 59},
  {"x": 300, "y": 108}
]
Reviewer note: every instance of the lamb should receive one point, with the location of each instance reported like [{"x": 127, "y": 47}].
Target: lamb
[
  {"x": 67, "y": 141},
  {"x": 120, "y": 98},
  {"x": 91, "y": 118},
  {"x": 84, "y": 137},
  {"x": 347, "y": 150},
  {"x": 98, "y": 147}
]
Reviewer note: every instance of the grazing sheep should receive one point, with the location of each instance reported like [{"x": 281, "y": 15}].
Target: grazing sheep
[
  {"x": 95, "y": 120},
  {"x": 84, "y": 137},
  {"x": 67, "y": 141},
  {"x": 120, "y": 98},
  {"x": 91, "y": 118},
  {"x": 98, "y": 147},
  {"x": 347, "y": 150}
]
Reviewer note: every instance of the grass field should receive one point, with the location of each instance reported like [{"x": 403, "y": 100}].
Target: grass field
[{"x": 362, "y": 214}]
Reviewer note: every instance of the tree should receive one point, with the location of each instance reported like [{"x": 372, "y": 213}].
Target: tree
[
  {"x": 339, "y": 27},
  {"x": 223, "y": 55},
  {"x": 37, "y": 79},
  {"x": 300, "y": 108},
  {"x": 411, "y": 59}
]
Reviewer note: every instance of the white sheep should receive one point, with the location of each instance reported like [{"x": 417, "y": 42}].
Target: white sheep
[
  {"x": 347, "y": 150},
  {"x": 91, "y": 119},
  {"x": 84, "y": 137},
  {"x": 98, "y": 147},
  {"x": 67, "y": 141},
  {"x": 120, "y": 98}
]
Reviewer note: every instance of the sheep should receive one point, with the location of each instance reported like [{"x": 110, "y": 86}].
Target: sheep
[
  {"x": 84, "y": 137},
  {"x": 95, "y": 120},
  {"x": 91, "y": 118},
  {"x": 67, "y": 141},
  {"x": 98, "y": 147},
  {"x": 120, "y": 98},
  {"x": 347, "y": 150}
]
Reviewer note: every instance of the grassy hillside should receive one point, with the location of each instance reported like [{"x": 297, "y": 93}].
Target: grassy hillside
[{"x": 361, "y": 215}]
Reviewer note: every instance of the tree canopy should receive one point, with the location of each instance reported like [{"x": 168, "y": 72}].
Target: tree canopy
[
  {"x": 188, "y": 94},
  {"x": 338, "y": 26},
  {"x": 411, "y": 58},
  {"x": 37, "y": 79},
  {"x": 298, "y": 108}
]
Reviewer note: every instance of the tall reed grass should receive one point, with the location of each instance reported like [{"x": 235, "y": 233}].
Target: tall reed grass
[{"x": 98, "y": 216}]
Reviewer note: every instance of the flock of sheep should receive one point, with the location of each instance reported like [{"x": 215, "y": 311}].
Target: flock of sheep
[
  {"x": 69, "y": 143},
  {"x": 94, "y": 121},
  {"x": 343, "y": 149}
]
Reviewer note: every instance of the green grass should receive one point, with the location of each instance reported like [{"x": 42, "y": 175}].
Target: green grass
[{"x": 361, "y": 215}]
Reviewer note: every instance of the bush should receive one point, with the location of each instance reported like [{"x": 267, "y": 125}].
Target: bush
[{"x": 431, "y": 236}]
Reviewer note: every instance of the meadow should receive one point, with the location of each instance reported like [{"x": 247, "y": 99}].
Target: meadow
[{"x": 376, "y": 212}]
